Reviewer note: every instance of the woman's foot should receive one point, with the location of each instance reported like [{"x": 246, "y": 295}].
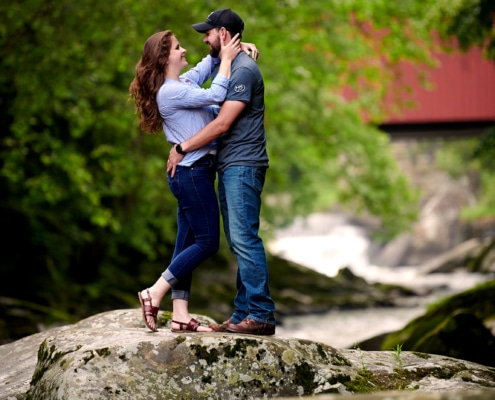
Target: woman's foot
[
  {"x": 191, "y": 325},
  {"x": 150, "y": 310}
]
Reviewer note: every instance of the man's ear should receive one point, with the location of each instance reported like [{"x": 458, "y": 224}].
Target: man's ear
[{"x": 224, "y": 34}]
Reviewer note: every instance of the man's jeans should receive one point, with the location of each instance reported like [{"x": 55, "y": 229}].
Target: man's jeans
[
  {"x": 198, "y": 221},
  {"x": 239, "y": 190}
]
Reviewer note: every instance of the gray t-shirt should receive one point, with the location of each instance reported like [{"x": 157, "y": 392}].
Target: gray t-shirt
[{"x": 245, "y": 142}]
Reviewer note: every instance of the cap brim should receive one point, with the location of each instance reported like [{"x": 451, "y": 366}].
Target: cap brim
[{"x": 203, "y": 27}]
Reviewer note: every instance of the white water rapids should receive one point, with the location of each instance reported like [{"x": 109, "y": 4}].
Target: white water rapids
[{"x": 329, "y": 242}]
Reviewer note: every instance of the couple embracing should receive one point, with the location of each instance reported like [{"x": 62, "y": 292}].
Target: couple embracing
[{"x": 230, "y": 143}]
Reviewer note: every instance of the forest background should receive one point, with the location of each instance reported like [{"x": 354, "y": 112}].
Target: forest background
[{"x": 87, "y": 217}]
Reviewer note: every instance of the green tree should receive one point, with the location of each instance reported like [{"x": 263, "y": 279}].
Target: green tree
[
  {"x": 471, "y": 22},
  {"x": 83, "y": 190}
]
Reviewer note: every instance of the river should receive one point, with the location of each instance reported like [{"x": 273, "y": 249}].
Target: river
[{"x": 329, "y": 242}]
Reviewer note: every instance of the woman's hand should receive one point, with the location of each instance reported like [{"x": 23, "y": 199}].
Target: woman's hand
[
  {"x": 250, "y": 49},
  {"x": 230, "y": 50}
]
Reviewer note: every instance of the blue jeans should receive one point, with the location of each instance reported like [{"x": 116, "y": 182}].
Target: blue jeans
[
  {"x": 198, "y": 223},
  {"x": 239, "y": 190}
]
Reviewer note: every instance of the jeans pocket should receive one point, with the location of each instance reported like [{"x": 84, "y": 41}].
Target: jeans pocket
[
  {"x": 174, "y": 183},
  {"x": 259, "y": 175}
]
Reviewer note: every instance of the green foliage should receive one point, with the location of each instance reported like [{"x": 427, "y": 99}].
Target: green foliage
[
  {"x": 484, "y": 150},
  {"x": 473, "y": 158},
  {"x": 86, "y": 193},
  {"x": 361, "y": 356},
  {"x": 85, "y": 184},
  {"x": 471, "y": 22},
  {"x": 456, "y": 157},
  {"x": 396, "y": 352},
  {"x": 482, "y": 156}
]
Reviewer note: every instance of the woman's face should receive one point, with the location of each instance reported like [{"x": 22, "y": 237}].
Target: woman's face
[{"x": 177, "y": 56}]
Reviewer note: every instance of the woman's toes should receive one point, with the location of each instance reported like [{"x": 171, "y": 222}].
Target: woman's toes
[{"x": 202, "y": 328}]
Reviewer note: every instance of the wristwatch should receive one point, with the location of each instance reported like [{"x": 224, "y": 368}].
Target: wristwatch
[{"x": 178, "y": 149}]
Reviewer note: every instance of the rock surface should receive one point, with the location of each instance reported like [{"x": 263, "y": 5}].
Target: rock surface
[
  {"x": 482, "y": 394},
  {"x": 460, "y": 326},
  {"x": 111, "y": 355}
]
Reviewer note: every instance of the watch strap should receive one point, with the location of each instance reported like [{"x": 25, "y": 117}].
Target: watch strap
[{"x": 178, "y": 149}]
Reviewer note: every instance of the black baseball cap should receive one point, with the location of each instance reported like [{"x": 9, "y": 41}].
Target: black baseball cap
[{"x": 225, "y": 18}]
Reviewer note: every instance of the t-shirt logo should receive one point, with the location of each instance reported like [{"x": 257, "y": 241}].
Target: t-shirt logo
[{"x": 240, "y": 88}]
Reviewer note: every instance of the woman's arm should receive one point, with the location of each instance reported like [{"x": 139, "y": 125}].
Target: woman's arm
[
  {"x": 250, "y": 49},
  {"x": 179, "y": 96},
  {"x": 202, "y": 71}
]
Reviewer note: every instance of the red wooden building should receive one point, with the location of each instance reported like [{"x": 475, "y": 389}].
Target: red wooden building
[{"x": 461, "y": 101}]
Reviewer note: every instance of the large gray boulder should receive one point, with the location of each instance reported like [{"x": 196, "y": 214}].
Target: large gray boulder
[{"x": 112, "y": 356}]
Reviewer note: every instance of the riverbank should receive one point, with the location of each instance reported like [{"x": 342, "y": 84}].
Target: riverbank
[
  {"x": 345, "y": 328},
  {"x": 326, "y": 243}
]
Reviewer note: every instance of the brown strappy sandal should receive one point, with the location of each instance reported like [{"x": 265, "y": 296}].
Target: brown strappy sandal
[
  {"x": 190, "y": 327},
  {"x": 149, "y": 310}
]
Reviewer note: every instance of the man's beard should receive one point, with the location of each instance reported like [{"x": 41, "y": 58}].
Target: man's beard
[{"x": 214, "y": 51}]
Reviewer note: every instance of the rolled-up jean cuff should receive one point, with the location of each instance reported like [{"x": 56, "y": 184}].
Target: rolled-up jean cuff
[
  {"x": 170, "y": 278},
  {"x": 180, "y": 295}
]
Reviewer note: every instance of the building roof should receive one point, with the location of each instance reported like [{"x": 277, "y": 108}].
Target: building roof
[{"x": 463, "y": 90}]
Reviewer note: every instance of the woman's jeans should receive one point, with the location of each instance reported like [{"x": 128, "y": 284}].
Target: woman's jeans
[
  {"x": 198, "y": 221},
  {"x": 239, "y": 190}
]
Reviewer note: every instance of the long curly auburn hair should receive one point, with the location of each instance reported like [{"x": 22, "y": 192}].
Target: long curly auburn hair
[{"x": 150, "y": 75}]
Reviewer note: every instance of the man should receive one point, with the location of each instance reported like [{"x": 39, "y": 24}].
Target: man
[{"x": 242, "y": 161}]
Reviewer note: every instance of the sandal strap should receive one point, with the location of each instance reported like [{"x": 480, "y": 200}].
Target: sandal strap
[
  {"x": 192, "y": 325},
  {"x": 150, "y": 309}
]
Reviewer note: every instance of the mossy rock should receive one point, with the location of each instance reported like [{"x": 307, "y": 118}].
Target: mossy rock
[{"x": 454, "y": 327}]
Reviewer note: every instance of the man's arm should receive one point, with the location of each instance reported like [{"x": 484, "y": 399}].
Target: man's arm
[{"x": 229, "y": 111}]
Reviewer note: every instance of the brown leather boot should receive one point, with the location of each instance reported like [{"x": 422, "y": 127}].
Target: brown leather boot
[{"x": 220, "y": 327}]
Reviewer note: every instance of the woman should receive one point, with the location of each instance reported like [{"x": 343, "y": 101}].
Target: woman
[{"x": 177, "y": 104}]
